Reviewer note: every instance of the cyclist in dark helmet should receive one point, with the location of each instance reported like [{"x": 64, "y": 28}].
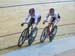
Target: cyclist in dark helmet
[
  {"x": 54, "y": 18},
  {"x": 32, "y": 18},
  {"x": 32, "y": 11}
]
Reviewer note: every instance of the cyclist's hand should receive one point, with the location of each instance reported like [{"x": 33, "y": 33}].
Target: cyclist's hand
[{"x": 22, "y": 24}]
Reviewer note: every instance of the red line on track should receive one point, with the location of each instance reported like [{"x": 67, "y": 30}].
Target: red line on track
[{"x": 40, "y": 28}]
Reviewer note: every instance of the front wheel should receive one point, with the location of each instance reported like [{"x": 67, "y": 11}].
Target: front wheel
[
  {"x": 32, "y": 35},
  {"x": 22, "y": 37},
  {"x": 43, "y": 35}
]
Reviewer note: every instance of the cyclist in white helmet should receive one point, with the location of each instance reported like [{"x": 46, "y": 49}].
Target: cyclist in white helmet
[
  {"x": 32, "y": 18},
  {"x": 55, "y": 18}
]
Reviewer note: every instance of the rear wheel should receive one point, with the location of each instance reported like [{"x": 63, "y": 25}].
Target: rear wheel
[
  {"x": 43, "y": 35},
  {"x": 53, "y": 33},
  {"x": 32, "y": 36},
  {"x": 23, "y": 37}
]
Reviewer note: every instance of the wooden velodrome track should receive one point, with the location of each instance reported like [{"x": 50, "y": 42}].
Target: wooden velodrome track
[{"x": 12, "y": 17}]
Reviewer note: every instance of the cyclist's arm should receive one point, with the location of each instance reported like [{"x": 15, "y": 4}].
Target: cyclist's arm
[
  {"x": 26, "y": 19},
  {"x": 47, "y": 17},
  {"x": 57, "y": 16}
]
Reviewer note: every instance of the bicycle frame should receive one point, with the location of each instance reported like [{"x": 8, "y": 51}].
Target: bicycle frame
[
  {"x": 48, "y": 33},
  {"x": 49, "y": 28},
  {"x": 24, "y": 35}
]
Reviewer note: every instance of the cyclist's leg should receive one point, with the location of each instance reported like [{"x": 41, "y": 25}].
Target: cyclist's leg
[
  {"x": 50, "y": 25},
  {"x": 55, "y": 23},
  {"x": 49, "y": 28}
]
